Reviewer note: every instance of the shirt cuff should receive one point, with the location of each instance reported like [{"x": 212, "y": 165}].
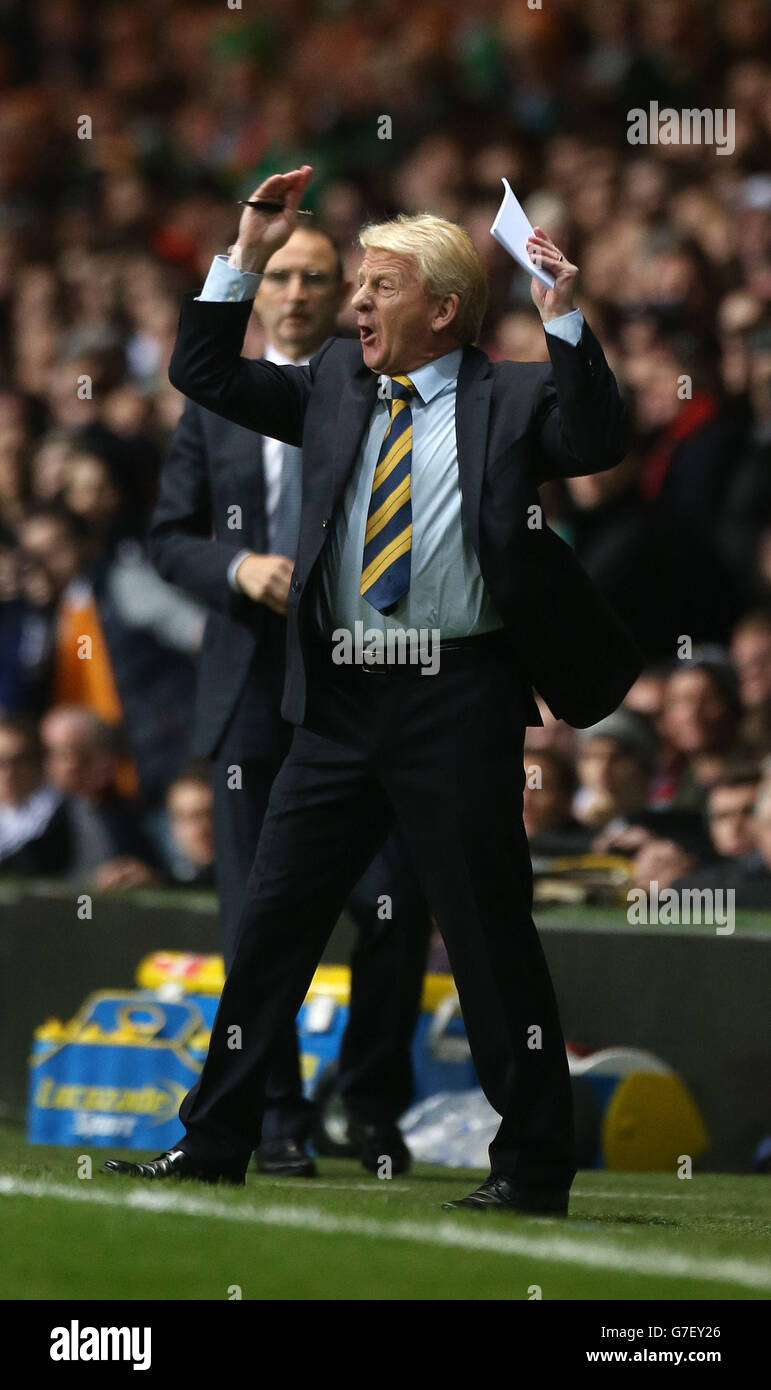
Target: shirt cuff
[
  {"x": 233, "y": 566},
  {"x": 225, "y": 283},
  {"x": 567, "y": 326}
]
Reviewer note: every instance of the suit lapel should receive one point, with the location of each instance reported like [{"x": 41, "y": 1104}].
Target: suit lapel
[
  {"x": 356, "y": 406},
  {"x": 472, "y": 413}
]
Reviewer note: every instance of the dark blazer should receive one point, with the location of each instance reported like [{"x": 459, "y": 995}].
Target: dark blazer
[
  {"x": 517, "y": 425},
  {"x": 211, "y": 467}
]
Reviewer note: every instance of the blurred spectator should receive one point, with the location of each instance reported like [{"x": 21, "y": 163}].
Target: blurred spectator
[
  {"x": 119, "y": 642},
  {"x": 646, "y": 696},
  {"x": 761, "y": 826},
  {"x": 34, "y": 834},
  {"x": 550, "y": 784},
  {"x": 749, "y": 873},
  {"x": 730, "y": 807},
  {"x": 664, "y": 862},
  {"x": 81, "y": 762},
  {"x": 700, "y": 722},
  {"x": 751, "y": 656},
  {"x": 190, "y": 808},
  {"x": 616, "y": 759}
]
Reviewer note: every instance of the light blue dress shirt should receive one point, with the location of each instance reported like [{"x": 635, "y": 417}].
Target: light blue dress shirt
[{"x": 446, "y": 588}]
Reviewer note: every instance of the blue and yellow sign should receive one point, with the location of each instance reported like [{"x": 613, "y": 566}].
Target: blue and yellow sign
[{"x": 116, "y": 1074}]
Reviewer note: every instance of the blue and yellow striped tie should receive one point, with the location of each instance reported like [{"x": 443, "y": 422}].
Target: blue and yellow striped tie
[{"x": 385, "y": 575}]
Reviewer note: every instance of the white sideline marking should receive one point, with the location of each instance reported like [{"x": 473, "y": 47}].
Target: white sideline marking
[
  {"x": 644, "y": 1196},
  {"x": 561, "y": 1248},
  {"x": 313, "y": 1185}
]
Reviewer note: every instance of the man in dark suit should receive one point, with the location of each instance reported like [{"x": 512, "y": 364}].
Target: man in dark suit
[
  {"x": 225, "y": 528},
  {"x": 421, "y": 464}
]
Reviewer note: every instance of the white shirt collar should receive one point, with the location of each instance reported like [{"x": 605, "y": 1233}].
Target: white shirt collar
[
  {"x": 272, "y": 354},
  {"x": 433, "y": 376}
]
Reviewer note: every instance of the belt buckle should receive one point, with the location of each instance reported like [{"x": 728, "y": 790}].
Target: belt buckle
[{"x": 372, "y": 668}]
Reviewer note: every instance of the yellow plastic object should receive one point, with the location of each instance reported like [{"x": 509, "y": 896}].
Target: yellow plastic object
[
  {"x": 650, "y": 1121},
  {"x": 331, "y": 979},
  {"x": 198, "y": 974},
  {"x": 194, "y": 973},
  {"x": 131, "y": 1030},
  {"x": 53, "y": 1030},
  {"x": 617, "y": 864},
  {"x": 336, "y": 980}
]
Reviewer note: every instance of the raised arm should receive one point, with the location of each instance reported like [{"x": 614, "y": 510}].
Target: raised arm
[
  {"x": 579, "y": 419},
  {"x": 207, "y": 364}
]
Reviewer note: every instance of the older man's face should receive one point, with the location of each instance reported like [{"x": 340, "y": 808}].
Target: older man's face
[{"x": 395, "y": 316}]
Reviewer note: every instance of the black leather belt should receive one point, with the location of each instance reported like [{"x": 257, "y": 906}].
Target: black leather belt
[{"x": 454, "y": 653}]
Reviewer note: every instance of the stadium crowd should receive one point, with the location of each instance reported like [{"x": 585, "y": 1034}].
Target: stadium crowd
[{"x": 128, "y": 132}]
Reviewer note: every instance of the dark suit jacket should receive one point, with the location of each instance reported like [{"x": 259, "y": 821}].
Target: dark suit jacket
[
  {"x": 212, "y": 467},
  {"x": 517, "y": 425}
]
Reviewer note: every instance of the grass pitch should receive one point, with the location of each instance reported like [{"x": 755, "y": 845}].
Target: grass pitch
[{"x": 348, "y": 1235}]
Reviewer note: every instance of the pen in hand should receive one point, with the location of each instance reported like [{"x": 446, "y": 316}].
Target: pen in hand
[{"x": 268, "y": 205}]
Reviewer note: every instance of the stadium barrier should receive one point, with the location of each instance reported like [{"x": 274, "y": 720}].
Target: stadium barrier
[
  {"x": 696, "y": 999},
  {"x": 116, "y": 1073}
]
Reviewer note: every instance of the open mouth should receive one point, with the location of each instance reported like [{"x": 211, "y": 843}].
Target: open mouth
[{"x": 367, "y": 335}]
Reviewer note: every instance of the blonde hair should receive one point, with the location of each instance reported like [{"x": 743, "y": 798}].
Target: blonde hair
[{"x": 447, "y": 263}]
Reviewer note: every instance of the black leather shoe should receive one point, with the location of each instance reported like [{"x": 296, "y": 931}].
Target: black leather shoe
[
  {"x": 377, "y": 1142},
  {"x": 177, "y": 1164},
  {"x": 284, "y": 1158},
  {"x": 500, "y": 1193}
]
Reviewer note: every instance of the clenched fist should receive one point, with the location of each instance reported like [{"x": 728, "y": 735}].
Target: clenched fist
[{"x": 265, "y": 579}]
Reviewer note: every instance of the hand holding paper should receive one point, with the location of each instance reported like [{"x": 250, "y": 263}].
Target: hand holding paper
[
  {"x": 512, "y": 229},
  {"x": 553, "y": 275}
]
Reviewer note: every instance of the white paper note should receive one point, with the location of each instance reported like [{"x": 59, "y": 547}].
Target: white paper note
[{"x": 512, "y": 229}]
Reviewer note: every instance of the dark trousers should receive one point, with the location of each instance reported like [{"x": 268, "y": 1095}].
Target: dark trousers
[
  {"x": 440, "y": 756},
  {"x": 238, "y": 816},
  {"x": 375, "y": 1077}
]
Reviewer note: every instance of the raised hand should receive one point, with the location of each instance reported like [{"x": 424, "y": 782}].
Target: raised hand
[
  {"x": 559, "y": 300},
  {"x": 260, "y": 233}
]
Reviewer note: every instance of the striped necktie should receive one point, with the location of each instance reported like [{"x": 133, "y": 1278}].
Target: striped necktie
[{"x": 385, "y": 576}]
